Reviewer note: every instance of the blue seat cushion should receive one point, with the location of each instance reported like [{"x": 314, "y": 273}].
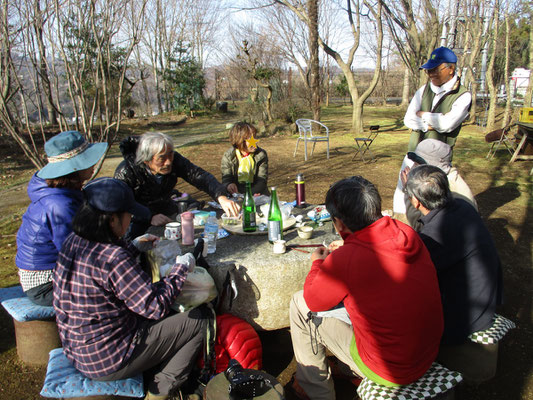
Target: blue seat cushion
[
  {"x": 62, "y": 380},
  {"x": 21, "y": 308}
]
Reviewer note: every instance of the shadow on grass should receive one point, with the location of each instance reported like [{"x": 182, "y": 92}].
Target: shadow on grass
[{"x": 515, "y": 364}]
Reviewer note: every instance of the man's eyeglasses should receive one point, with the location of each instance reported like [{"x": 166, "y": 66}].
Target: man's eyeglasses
[{"x": 435, "y": 70}]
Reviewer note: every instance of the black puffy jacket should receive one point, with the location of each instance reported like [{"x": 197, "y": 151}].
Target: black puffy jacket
[{"x": 153, "y": 193}]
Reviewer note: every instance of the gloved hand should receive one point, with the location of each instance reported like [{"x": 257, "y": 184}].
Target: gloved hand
[
  {"x": 188, "y": 260},
  {"x": 145, "y": 242}
]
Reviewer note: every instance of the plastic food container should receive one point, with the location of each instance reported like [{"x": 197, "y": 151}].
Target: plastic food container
[
  {"x": 200, "y": 217},
  {"x": 230, "y": 220}
]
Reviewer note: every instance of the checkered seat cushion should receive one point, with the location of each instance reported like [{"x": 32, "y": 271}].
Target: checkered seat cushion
[
  {"x": 62, "y": 380},
  {"x": 21, "y": 308},
  {"x": 436, "y": 380},
  {"x": 496, "y": 332}
]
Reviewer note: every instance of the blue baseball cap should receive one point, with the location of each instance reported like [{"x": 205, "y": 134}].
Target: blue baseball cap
[
  {"x": 68, "y": 152},
  {"x": 439, "y": 56},
  {"x": 113, "y": 195}
]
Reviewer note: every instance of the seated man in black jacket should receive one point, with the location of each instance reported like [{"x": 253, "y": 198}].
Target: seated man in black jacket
[
  {"x": 461, "y": 247},
  {"x": 151, "y": 168}
]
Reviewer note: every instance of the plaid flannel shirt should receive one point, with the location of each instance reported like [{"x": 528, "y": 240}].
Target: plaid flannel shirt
[{"x": 101, "y": 295}]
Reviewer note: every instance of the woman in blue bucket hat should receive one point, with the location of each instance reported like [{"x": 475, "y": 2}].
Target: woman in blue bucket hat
[{"x": 55, "y": 194}]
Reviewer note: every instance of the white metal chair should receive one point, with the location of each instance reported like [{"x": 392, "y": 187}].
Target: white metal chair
[{"x": 311, "y": 131}]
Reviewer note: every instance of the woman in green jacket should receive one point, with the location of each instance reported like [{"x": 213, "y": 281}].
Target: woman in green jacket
[{"x": 245, "y": 161}]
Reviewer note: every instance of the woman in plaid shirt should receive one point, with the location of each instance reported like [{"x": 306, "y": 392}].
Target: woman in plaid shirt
[{"x": 113, "y": 321}]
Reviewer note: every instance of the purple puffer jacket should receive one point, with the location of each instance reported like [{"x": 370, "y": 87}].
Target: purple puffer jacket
[{"x": 45, "y": 224}]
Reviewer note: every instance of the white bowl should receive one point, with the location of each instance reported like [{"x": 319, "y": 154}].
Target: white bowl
[{"x": 305, "y": 232}]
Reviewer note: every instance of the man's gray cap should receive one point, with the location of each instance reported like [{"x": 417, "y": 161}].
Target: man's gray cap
[{"x": 433, "y": 152}]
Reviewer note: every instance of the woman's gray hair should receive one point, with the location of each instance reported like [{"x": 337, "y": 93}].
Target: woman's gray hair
[
  {"x": 429, "y": 185},
  {"x": 152, "y": 143}
]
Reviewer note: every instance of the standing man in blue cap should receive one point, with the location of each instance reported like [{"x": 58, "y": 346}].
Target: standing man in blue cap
[{"x": 438, "y": 108}]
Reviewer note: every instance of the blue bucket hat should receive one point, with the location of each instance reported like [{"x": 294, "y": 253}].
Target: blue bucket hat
[
  {"x": 115, "y": 196},
  {"x": 68, "y": 152},
  {"x": 439, "y": 56}
]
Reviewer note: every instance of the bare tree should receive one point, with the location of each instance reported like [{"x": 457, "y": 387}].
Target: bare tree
[
  {"x": 493, "y": 95},
  {"x": 38, "y": 17},
  {"x": 507, "y": 112},
  {"x": 414, "y": 29},
  {"x": 204, "y": 19},
  {"x": 96, "y": 62},
  {"x": 260, "y": 74},
  {"x": 12, "y": 91},
  {"x": 354, "y": 8},
  {"x": 405, "y": 90},
  {"x": 312, "y": 11},
  {"x": 166, "y": 27},
  {"x": 473, "y": 39},
  {"x": 529, "y": 93}
]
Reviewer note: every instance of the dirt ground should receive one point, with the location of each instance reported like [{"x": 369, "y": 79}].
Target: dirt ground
[{"x": 503, "y": 192}]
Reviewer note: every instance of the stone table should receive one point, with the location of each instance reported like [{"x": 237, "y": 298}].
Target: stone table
[{"x": 265, "y": 281}]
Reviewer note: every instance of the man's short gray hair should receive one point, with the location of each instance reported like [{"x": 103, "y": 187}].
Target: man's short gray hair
[
  {"x": 429, "y": 185},
  {"x": 450, "y": 65},
  {"x": 152, "y": 143}
]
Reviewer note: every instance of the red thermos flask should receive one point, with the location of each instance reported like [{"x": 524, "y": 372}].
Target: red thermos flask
[{"x": 299, "y": 185}]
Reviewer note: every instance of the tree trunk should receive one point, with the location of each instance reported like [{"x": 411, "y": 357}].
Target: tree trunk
[
  {"x": 405, "y": 91},
  {"x": 493, "y": 95},
  {"x": 269, "y": 102},
  {"x": 312, "y": 11},
  {"x": 357, "y": 116},
  {"x": 43, "y": 67},
  {"x": 507, "y": 112},
  {"x": 529, "y": 92},
  {"x": 473, "y": 91}
]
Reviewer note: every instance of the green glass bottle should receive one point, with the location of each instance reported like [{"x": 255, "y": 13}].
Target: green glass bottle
[
  {"x": 248, "y": 210},
  {"x": 275, "y": 219}
]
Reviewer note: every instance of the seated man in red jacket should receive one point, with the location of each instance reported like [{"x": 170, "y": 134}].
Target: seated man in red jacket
[{"x": 384, "y": 277}]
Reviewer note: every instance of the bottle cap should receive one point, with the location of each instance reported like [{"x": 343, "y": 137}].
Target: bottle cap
[
  {"x": 187, "y": 215},
  {"x": 273, "y": 188}
]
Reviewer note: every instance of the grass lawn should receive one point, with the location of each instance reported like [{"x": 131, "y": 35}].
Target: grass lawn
[{"x": 503, "y": 191}]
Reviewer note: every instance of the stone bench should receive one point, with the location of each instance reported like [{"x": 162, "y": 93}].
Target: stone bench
[
  {"x": 63, "y": 381},
  {"x": 35, "y": 326},
  {"x": 437, "y": 383},
  {"x": 477, "y": 359}
]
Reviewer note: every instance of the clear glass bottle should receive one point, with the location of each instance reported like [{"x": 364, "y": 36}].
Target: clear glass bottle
[
  {"x": 275, "y": 218},
  {"x": 248, "y": 210},
  {"x": 211, "y": 232}
]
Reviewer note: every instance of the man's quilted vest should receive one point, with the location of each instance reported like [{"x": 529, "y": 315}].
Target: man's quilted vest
[{"x": 444, "y": 105}]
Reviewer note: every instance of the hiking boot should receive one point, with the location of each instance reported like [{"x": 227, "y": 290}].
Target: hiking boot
[
  {"x": 296, "y": 390},
  {"x": 339, "y": 370}
]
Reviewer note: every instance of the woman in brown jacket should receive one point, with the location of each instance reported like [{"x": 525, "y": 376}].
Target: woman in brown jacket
[{"x": 245, "y": 161}]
